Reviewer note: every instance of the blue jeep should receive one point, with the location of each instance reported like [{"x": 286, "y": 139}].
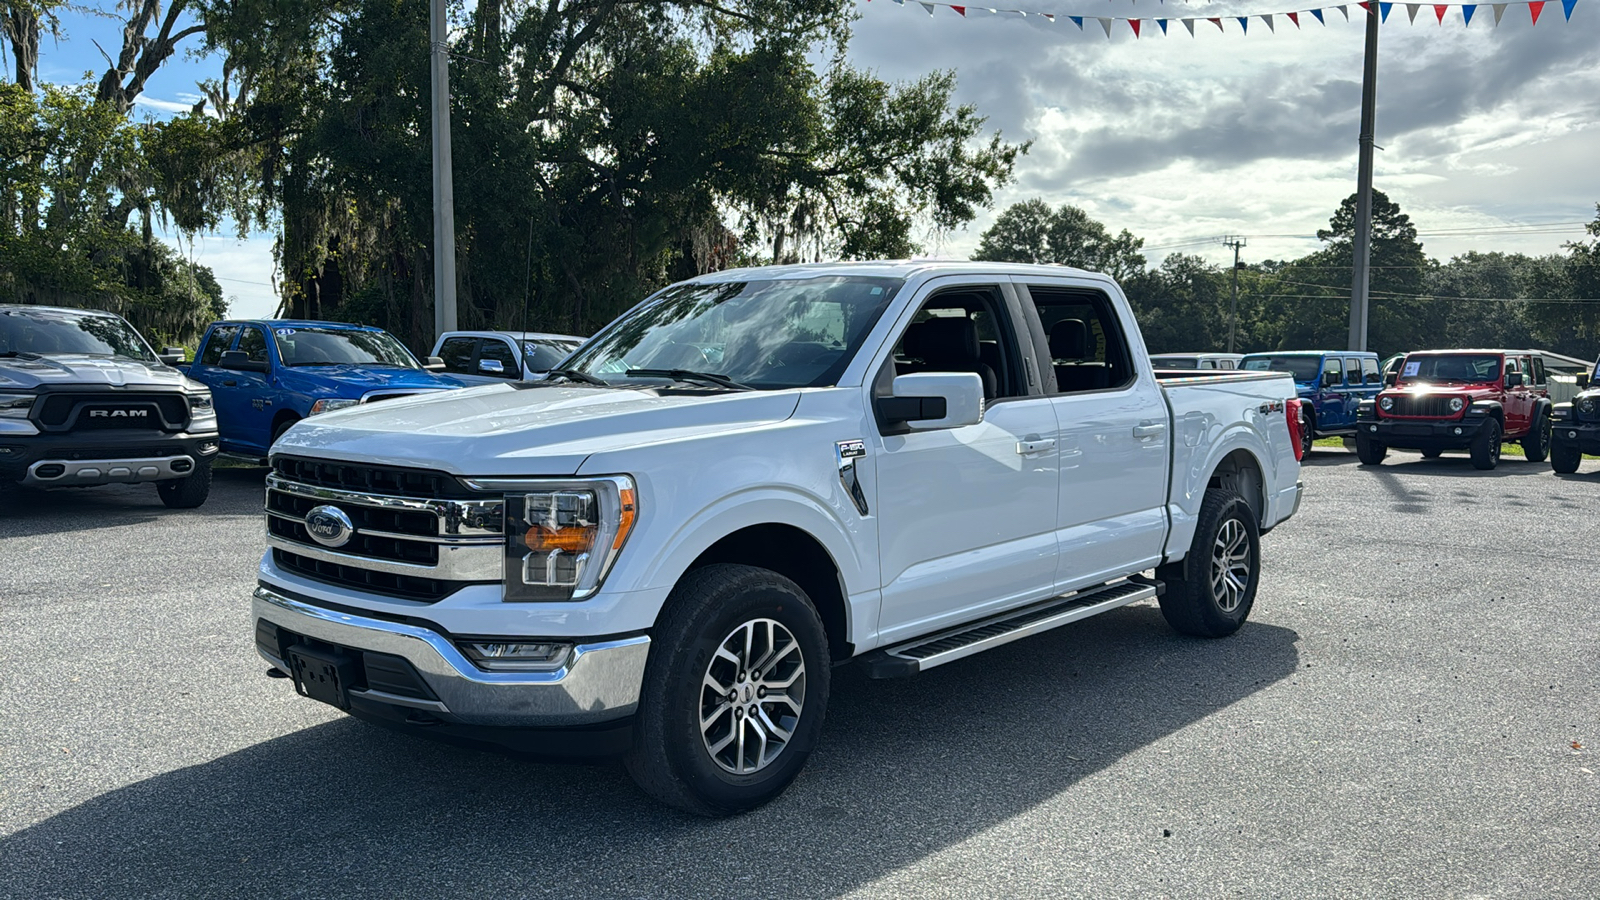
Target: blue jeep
[
  {"x": 1331, "y": 385},
  {"x": 266, "y": 375}
]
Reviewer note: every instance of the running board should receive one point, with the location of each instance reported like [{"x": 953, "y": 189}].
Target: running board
[{"x": 948, "y": 646}]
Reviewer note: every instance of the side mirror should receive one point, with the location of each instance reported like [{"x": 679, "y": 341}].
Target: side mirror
[
  {"x": 1390, "y": 379},
  {"x": 1513, "y": 379},
  {"x": 434, "y": 364},
  {"x": 240, "y": 361},
  {"x": 932, "y": 400},
  {"x": 171, "y": 356},
  {"x": 1583, "y": 380},
  {"x": 491, "y": 366}
]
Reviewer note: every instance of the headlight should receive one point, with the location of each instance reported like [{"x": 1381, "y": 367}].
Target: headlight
[
  {"x": 563, "y": 537},
  {"x": 1386, "y": 403},
  {"x": 1456, "y": 403},
  {"x": 200, "y": 406},
  {"x": 15, "y": 406},
  {"x": 1585, "y": 406},
  {"x": 322, "y": 406}
]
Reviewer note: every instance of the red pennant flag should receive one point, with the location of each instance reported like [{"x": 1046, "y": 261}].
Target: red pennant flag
[
  {"x": 1438, "y": 10},
  {"x": 1365, "y": 6},
  {"x": 1216, "y": 22},
  {"x": 960, "y": 10},
  {"x": 1135, "y": 24},
  {"x": 1295, "y": 18},
  {"x": 1535, "y": 8}
]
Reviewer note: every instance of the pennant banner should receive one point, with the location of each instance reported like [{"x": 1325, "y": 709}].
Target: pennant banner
[{"x": 1535, "y": 9}]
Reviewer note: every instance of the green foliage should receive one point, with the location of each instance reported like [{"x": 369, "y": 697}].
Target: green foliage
[{"x": 1033, "y": 232}]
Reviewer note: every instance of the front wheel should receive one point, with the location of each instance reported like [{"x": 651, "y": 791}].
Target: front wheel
[
  {"x": 734, "y": 692},
  {"x": 1486, "y": 446},
  {"x": 187, "y": 492},
  {"x": 1536, "y": 446},
  {"x": 1369, "y": 451},
  {"x": 1564, "y": 458},
  {"x": 1210, "y": 592}
]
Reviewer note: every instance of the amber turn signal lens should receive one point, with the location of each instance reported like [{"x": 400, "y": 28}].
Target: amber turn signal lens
[
  {"x": 625, "y": 520},
  {"x": 567, "y": 540}
]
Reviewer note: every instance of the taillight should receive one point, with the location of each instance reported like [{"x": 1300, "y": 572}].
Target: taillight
[{"x": 1291, "y": 409}]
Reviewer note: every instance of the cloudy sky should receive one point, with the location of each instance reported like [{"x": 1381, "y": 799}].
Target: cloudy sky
[{"x": 1490, "y": 135}]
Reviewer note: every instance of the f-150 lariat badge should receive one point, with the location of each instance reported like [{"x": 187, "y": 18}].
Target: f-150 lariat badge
[{"x": 848, "y": 452}]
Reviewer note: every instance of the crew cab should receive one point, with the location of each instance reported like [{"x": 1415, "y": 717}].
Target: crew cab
[
  {"x": 1575, "y": 426},
  {"x": 266, "y": 375},
  {"x": 85, "y": 401},
  {"x": 660, "y": 552},
  {"x": 487, "y": 357},
  {"x": 1330, "y": 383},
  {"x": 1196, "y": 360},
  {"x": 1460, "y": 399}
]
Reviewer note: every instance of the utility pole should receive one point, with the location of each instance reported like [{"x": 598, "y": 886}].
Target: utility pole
[
  {"x": 1233, "y": 304},
  {"x": 1359, "y": 300},
  {"x": 444, "y": 214}
]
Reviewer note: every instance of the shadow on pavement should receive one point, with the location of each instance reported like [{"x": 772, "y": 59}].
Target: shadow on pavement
[
  {"x": 905, "y": 769},
  {"x": 234, "y": 491}
]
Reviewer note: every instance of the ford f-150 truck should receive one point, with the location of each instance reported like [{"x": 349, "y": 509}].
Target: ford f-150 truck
[
  {"x": 1459, "y": 399},
  {"x": 660, "y": 552},
  {"x": 85, "y": 401},
  {"x": 267, "y": 375}
]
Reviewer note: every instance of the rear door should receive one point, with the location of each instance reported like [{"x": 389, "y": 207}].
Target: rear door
[{"x": 1113, "y": 432}]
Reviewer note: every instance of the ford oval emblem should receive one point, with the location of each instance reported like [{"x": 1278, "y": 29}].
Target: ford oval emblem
[{"x": 330, "y": 526}]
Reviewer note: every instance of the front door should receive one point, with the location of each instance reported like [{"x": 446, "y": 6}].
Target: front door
[
  {"x": 230, "y": 402},
  {"x": 966, "y": 516}
]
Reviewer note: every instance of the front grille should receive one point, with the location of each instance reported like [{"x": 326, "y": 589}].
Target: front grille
[
  {"x": 1422, "y": 406},
  {"x": 73, "y": 411},
  {"x": 418, "y": 483},
  {"x": 409, "y": 587},
  {"x": 377, "y": 547},
  {"x": 364, "y": 518}
]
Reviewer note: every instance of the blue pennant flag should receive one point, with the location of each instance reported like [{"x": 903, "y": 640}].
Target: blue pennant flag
[
  {"x": 1244, "y": 23},
  {"x": 1163, "y": 24},
  {"x": 1318, "y": 14},
  {"x": 1383, "y": 10},
  {"x": 1078, "y": 21},
  {"x": 1467, "y": 9},
  {"x": 1566, "y": 7}
]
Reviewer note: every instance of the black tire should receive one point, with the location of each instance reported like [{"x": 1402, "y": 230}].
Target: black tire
[
  {"x": 1432, "y": 454},
  {"x": 1308, "y": 431},
  {"x": 1486, "y": 446},
  {"x": 1210, "y": 592},
  {"x": 1564, "y": 458},
  {"x": 1536, "y": 446},
  {"x": 10, "y": 497},
  {"x": 1369, "y": 451},
  {"x": 278, "y": 430},
  {"x": 673, "y": 758},
  {"x": 187, "y": 492}
]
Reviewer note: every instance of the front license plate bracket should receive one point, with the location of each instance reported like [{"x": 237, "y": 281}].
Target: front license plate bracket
[{"x": 325, "y": 675}]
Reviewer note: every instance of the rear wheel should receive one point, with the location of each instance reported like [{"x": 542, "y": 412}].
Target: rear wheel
[
  {"x": 1486, "y": 446},
  {"x": 1369, "y": 451},
  {"x": 187, "y": 492},
  {"x": 1536, "y": 446},
  {"x": 1564, "y": 458},
  {"x": 734, "y": 692},
  {"x": 1308, "y": 431},
  {"x": 1210, "y": 592}
]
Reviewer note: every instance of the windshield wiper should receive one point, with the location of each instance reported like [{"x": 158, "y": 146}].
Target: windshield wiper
[
  {"x": 575, "y": 375},
  {"x": 20, "y": 354},
  {"x": 689, "y": 375}
]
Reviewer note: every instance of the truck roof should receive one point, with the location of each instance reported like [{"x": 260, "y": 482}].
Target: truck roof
[
  {"x": 77, "y": 310},
  {"x": 298, "y": 323},
  {"x": 1314, "y": 353},
  {"x": 1501, "y": 351},
  {"x": 893, "y": 268}
]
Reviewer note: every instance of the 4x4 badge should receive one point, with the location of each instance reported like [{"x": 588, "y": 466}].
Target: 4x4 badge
[{"x": 848, "y": 452}]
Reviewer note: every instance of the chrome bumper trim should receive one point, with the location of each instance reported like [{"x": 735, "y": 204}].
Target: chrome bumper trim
[
  {"x": 600, "y": 681},
  {"x": 109, "y": 471}
]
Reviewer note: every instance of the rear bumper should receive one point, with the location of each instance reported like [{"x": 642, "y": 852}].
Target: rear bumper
[
  {"x": 409, "y": 668},
  {"x": 1585, "y": 436},
  {"x": 1441, "y": 434}
]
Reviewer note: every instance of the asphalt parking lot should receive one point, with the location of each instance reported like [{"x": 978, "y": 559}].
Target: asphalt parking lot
[{"x": 1412, "y": 711}]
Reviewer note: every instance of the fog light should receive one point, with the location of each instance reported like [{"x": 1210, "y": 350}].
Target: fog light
[
  {"x": 1372, "y": 428},
  {"x": 1572, "y": 434},
  {"x": 1458, "y": 431},
  {"x": 517, "y": 657},
  {"x": 208, "y": 447}
]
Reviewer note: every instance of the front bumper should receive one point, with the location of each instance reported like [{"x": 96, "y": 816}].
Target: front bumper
[
  {"x": 1583, "y": 435},
  {"x": 1424, "y": 434},
  {"x": 599, "y": 683},
  {"x": 59, "y": 460}
]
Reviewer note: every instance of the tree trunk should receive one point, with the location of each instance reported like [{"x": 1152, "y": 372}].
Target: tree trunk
[{"x": 21, "y": 27}]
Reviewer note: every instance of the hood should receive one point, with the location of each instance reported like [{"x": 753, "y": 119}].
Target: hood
[
  {"x": 355, "y": 380},
  {"x": 1475, "y": 389},
  {"x": 527, "y": 430},
  {"x": 78, "y": 370}
]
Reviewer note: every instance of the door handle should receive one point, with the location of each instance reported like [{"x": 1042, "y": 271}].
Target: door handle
[
  {"x": 230, "y": 384},
  {"x": 1039, "y": 446},
  {"x": 1148, "y": 431}
]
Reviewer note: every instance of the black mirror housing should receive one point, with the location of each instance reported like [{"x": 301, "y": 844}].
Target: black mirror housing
[
  {"x": 1583, "y": 380},
  {"x": 1390, "y": 379},
  {"x": 240, "y": 361}
]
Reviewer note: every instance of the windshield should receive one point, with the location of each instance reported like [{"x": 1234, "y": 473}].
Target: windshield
[
  {"x": 543, "y": 354},
  {"x": 1175, "y": 362},
  {"x": 1463, "y": 367},
  {"x": 763, "y": 334},
  {"x": 51, "y": 332},
  {"x": 1300, "y": 368},
  {"x": 330, "y": 347}
]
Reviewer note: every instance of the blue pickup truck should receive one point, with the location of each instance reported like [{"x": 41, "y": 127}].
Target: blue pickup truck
[
  {"x": 266, "y": 375},
  {"x": 1331, "y": 385}
]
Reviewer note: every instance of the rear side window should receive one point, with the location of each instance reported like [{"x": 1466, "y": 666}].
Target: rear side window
[
  {"x": 1087, "y": 349},
  {"x": 1369, "y": 371},
  {"x": 1336, "y": 367},
  {"x": 457, "y": 354},
  {"x": 253, "y": 341},
  {"x": 221, "y": 339}
]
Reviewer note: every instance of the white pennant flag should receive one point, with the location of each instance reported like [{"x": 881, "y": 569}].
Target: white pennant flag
[
  {"x": 926, "y": 6},
  {"x": 1268, "y": 19},
  {"x": 1106, "y": 24},
  {"x": 1499, "y": 10},
  {"x": 1189, "y": 24},
  {"x": 1346, "y": 11},
  {"x": 1411, "y": 11}
]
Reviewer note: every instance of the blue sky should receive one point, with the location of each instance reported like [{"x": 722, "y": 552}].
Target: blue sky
[{"x": 1489, "y": 134}]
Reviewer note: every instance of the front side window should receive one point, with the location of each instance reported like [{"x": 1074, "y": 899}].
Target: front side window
[
  {"x": 770, "y": 335},
  {"x": 331, "y": 347},
  {"x": 51, "y": 332},
  {"x": 220, "y": 340},
  {"x": 1461, "y": 368},
  {"x": 1300, "y": 368},
  {"x": 500, "y": 352},
  {"x": 960, "y": 331}
]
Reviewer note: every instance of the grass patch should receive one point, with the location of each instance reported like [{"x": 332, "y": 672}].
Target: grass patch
[{"x": 1506, "y": 448}]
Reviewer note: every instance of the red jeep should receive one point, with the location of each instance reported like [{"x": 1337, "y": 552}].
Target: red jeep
[{"x": 1459, "y": 399}]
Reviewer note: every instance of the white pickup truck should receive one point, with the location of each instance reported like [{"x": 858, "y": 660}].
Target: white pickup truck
[{"x": 747, "y": 479}]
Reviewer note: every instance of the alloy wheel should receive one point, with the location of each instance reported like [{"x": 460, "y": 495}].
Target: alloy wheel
[
  {"x": 752, "y": 696},
  {"x": 1230, "y": 565}
]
